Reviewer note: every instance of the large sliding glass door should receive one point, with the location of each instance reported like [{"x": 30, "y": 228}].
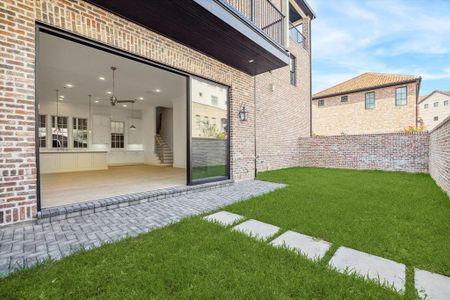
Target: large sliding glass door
[{"x": 209, "y": 147}]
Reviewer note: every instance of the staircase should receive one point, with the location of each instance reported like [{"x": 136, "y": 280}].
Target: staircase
[{"x": 163, "y": 151}]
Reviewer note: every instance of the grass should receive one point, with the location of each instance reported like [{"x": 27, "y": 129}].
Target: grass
[
  {"x": 400, "y": 216},
  {"x": 208, "y": 171},
  {"x": 192, "y": 259},
  {"x": 404, "y": 217}
]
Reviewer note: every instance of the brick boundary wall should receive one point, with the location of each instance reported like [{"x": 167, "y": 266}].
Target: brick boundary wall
[
  {"x": 408, "y": 152},
  {"x": 440, "y": 155}
]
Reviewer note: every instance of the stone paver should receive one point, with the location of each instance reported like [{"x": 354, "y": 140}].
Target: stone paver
[
  {"x": 23, "y": 245},
  {"x": 257, "y": 229},
  {"x": 374, "y": 267},
  {"x": 431, "y": 285},
  {"x": 310, "y": 247},
  {"x": 224, "y": 218}
]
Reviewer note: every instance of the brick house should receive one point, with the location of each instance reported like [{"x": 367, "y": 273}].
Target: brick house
[
  {"x": 434, "y": 108},
  {"x": 94, "y": 90},
  {"x": 369, "y": 103}
]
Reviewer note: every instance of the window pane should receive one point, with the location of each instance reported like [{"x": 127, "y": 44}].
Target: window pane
[
  {"x": 400, "y": 96},
  {"x": 370, "y": 100},
  {"x": 42, "y": 131},
  {"x": 209, "y": 148},
  {"x": 80, "y": 133},
  {"x": 117, "y": 135},
  {"x": 60, "y": 132}
]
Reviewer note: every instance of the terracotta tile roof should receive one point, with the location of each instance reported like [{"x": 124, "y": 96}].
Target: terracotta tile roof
[{"x": 364, "y": 82}]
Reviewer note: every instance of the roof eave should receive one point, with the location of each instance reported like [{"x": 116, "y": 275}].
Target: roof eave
[{"x": 367, "y": 88}]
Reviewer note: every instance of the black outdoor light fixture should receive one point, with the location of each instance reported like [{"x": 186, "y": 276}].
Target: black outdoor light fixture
[{"x": 243, "y": 113}]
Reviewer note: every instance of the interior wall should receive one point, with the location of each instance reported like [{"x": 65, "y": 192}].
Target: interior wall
[
  {"x": 179, "y": 132},
  {"x": 166, "y": 114}
]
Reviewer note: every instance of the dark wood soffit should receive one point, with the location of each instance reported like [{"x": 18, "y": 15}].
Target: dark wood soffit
[{"x": 190, "y": 24}]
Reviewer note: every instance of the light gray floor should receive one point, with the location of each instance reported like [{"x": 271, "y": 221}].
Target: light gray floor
[
  {"x": 431, "y": 285},
  {"x": 23, "y": 245},
  {"x": 371, "y": 266},
  {"x": 312, "y": 248},
  {"x": 257, "y": 229}
]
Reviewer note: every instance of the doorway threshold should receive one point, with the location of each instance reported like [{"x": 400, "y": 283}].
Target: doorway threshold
[{"x": 58, "y": 213}]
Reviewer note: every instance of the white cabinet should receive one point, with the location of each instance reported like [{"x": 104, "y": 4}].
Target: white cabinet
[
  {"x": 70, "y": 161},
  {"x": 101, "y": 129}
]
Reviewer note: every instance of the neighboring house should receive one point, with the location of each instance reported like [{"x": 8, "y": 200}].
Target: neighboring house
[
  {"x": 368, "y": 103},
  {"x": 434, "y": 108},
  {"x": 213, "y": 90}
]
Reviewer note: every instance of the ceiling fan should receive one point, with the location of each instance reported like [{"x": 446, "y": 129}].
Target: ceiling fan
[{"x": 113, "y": 97}]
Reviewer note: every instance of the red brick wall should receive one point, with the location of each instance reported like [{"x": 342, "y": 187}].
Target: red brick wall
[
  {"x": 17, "y": 103},
  {"x": 440, "y": 155},
  {"x": 17, "y": 152},
  {"x": 391, "y": 152},
  {"x": 283, "y": 113}
]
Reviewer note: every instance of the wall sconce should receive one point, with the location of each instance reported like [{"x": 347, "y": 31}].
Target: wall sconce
[
  {"x": 243, "y": 114},
  {"x": 272, "y": 87}
]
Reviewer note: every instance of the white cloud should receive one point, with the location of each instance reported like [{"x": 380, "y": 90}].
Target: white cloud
[{"x": 354, "y": 36}]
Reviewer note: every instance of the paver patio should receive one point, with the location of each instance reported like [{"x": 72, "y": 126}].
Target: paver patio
[{"x": 24, "y": 245}]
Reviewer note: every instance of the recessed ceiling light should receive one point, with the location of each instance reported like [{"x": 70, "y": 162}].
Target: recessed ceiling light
[
  {"x": 96, "y": 101},
  {"x": 251, "y": 60},
  {"x": 158, "y": 90},
  {"x": 69, "y": 85},
  {"x": 109, "y": 92},
  {"x": 101, "y": 78},
  {"x": 141, "y": 98},
  {"x": 124, "y": 105},
  {"x": 62, "y": 96}
]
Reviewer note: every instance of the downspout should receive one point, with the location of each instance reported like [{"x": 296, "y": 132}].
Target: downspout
[
  {"x": 310, "y": 79},
  {"x": 417, "y": 100},
  {"x": 254, "y": 101}
]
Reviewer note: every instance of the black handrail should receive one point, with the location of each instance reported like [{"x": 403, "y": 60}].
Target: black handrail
[
  {"x": 264, "y": 14},
  {"x": 296, "y": 35}
]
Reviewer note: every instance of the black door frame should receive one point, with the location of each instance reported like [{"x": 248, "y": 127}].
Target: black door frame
[{"x": 67, "y": 35}]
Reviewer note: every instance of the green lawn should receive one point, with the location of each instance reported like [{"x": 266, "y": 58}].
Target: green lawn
[{"x": 404, "y": 217}]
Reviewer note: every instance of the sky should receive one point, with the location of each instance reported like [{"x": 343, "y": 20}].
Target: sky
[{"x": 350, "y": 37}]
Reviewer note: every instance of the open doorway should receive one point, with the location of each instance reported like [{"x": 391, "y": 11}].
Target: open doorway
[{"x": 98, "y": 115}]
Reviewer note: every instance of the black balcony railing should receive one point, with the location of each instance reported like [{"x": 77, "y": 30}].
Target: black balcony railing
[
  {"x": 296, "y": 35},
  {"x": 264, "y": 14}
]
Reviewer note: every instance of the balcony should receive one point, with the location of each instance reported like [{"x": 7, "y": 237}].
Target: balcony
[
  {"x": 245, "y": 34},
  {"x": 296, "y": 36}
]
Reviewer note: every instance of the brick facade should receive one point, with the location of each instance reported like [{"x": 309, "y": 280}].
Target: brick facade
[
  {"x": 390, "y": 152},
  {"x": 352, "y": 117},
  {"x": 17, "y": 90},
  {"x": 283, "y": 113},
  {"x": 440, "y": 155}
]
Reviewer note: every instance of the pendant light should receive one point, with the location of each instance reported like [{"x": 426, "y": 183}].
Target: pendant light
[
  {"x": 90, "y": 114},
  {"x": 57, "y": 130},
  {"x": 132, "y": 127}
]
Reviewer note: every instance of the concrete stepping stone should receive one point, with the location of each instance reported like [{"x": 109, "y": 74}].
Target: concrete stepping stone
[
  {"x": 431, "y": 285},
  {"x": 311, "y": 247},
  {"x": 224, "y": 218},
  {"x": 257, "y": 229},
  {"x": 374, "y": 267}
]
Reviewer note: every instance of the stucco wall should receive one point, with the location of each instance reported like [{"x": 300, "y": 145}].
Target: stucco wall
[
  {"x": 440, "y": 155},
  {"x": 335, "y": 118},
  {"x": 391, "y": 152},
  {"x": 441, "y": 111}
]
